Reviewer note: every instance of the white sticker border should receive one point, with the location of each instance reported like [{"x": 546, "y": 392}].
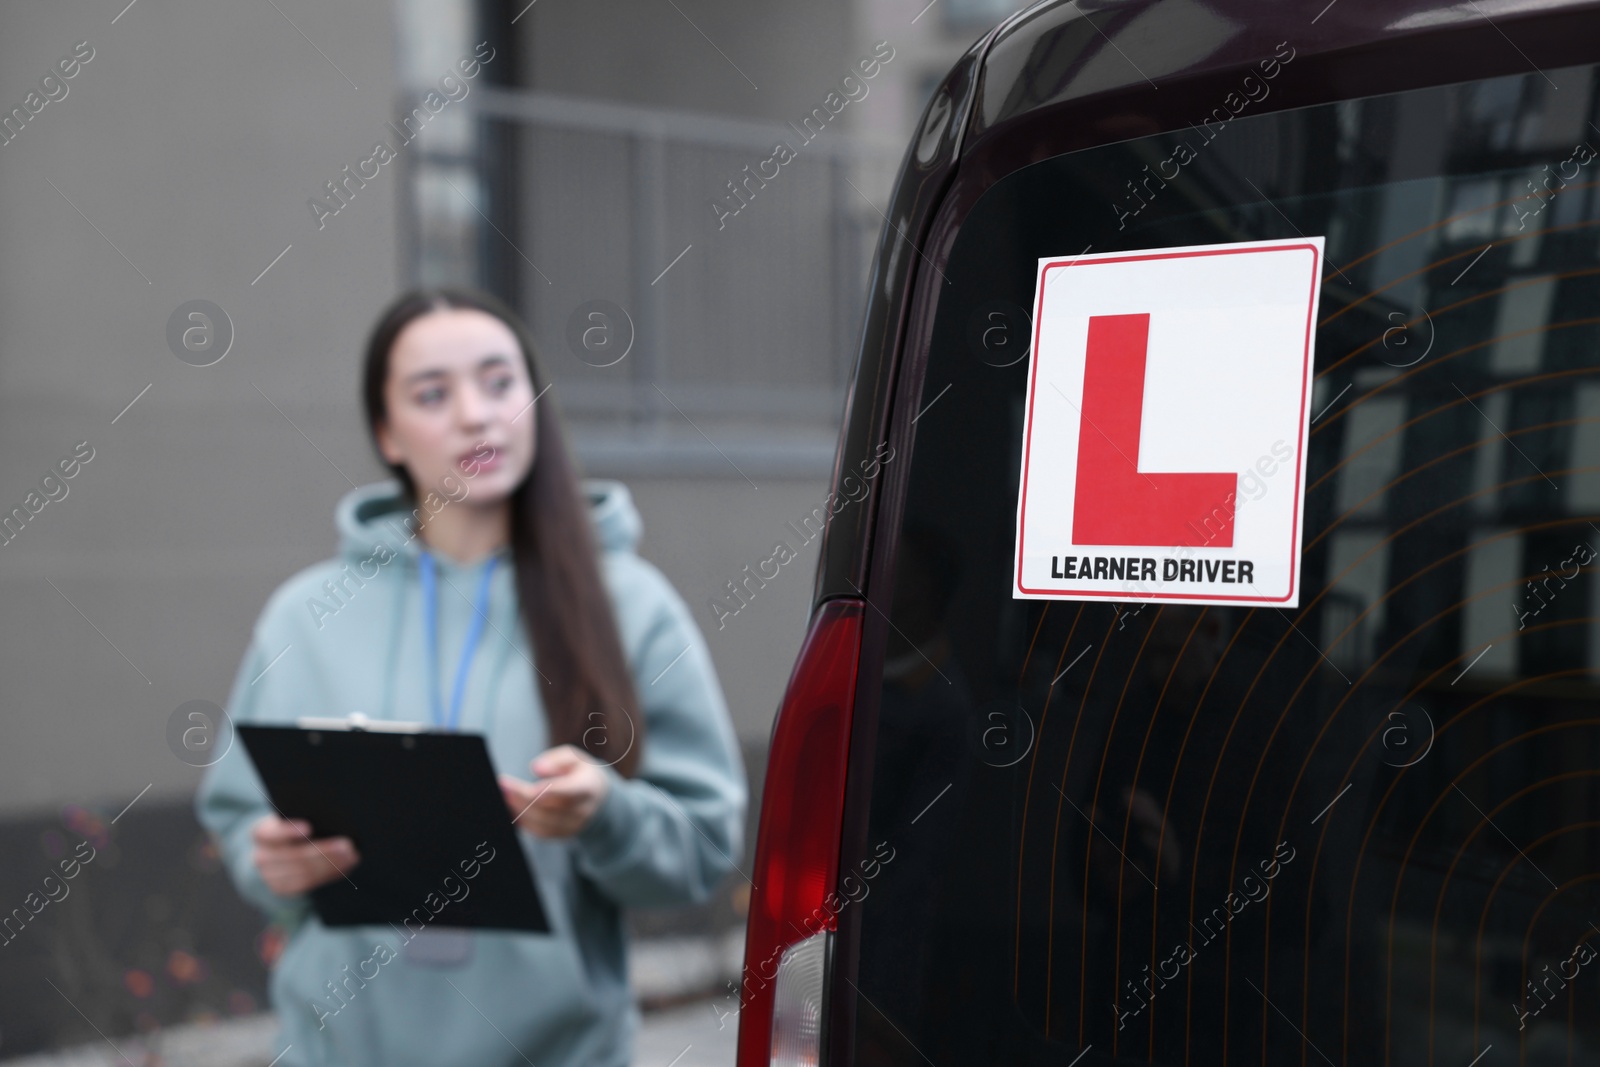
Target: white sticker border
[{"x": 1314, "y": 245}]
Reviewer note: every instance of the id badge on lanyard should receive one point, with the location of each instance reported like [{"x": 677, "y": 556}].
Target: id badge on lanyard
[
  {"x": 446, "y": 946},
  {"x": 442, "y": 947},
  {"x": 430, "y": 628}
]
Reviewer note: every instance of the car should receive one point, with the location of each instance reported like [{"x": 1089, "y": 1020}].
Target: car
[{"x": 1354, "y": 823}]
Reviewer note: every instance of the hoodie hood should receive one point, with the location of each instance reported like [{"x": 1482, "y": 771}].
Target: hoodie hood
[{"x": 379, "y": 514}]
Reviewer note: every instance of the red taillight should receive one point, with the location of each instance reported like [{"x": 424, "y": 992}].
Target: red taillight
[{"x": 802, "y": 809}]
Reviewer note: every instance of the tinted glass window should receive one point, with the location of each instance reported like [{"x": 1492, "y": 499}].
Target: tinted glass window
[{"x": 1364, "y": 830}]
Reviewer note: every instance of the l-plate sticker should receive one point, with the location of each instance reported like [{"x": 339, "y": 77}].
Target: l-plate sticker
[{"x": 1164, "y": 444}]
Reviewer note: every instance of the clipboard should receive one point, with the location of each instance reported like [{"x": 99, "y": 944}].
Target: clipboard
[{"x": 423, "y": 808}]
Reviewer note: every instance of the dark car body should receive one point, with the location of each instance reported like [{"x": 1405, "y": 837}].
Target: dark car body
[{"x": 1084, "y": 98}]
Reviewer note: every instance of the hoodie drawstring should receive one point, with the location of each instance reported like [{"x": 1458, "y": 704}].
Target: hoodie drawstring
[{"x": 392, "y": 662}]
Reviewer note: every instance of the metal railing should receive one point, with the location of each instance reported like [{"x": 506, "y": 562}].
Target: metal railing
[{"x": 736, "y": 323}]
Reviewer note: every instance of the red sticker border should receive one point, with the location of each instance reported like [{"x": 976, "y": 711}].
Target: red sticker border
[{"x": 1027, "y": 444}]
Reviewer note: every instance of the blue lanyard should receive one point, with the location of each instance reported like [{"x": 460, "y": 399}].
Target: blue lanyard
[{"x": 430, "y": 624}]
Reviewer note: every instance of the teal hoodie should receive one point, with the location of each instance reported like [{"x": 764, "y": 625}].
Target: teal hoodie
[{"x": 345, "y": 636}]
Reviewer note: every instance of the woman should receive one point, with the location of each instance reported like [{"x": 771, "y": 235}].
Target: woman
[{"x": 468, "y": 593}]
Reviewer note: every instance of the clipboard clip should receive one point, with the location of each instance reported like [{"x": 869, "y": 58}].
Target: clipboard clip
[{"x": 358, "y": 721}]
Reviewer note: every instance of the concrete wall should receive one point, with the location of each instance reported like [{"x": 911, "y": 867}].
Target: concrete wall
[
  {"x": 177, "y": 167},
  {"x": 715, "y": 56},
  {"x": 703, "y": 534}
]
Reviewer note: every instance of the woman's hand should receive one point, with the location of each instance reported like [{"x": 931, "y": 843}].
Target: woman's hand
[
  {"x": 290, "y": 862},
  {"x": 572, "y": 790}
]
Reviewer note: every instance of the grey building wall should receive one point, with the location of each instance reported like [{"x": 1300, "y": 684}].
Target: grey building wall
[
  {"x": 177, "y": 167},
  {"x": 714, "y": 56}
]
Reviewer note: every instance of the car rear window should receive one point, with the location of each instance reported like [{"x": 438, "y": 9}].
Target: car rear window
[{"x": 1363, "y": 830}]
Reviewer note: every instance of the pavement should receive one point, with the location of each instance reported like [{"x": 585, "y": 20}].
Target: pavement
[{"x": 695, "y": 1035}]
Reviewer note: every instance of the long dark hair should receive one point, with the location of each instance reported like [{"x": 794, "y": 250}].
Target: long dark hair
[{"x": 589, "y": 696}]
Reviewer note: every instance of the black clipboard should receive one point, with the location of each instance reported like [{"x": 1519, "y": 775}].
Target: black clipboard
[{"x": 422, "y": 806}]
